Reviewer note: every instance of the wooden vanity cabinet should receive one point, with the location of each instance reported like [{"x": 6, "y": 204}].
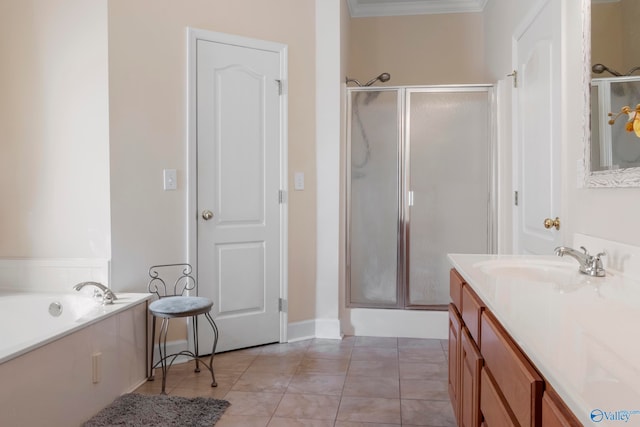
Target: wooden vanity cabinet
[{"x": 491, "y": 382}]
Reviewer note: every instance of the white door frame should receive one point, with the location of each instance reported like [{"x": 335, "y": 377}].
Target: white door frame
[{"x": 193, "y": 35}]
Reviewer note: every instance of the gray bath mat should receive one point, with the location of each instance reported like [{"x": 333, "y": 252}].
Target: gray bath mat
[{"x": 139, "y": 410}]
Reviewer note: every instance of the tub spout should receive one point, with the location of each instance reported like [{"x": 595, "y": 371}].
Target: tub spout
[{"x": 107, "y": 295}]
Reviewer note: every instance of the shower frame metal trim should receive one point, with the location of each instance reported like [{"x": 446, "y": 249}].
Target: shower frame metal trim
[{"x": 403, "y": 152}]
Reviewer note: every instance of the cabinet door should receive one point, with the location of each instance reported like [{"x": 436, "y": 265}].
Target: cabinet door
[
  {"x": 555, "y": 413},
  {"x": 455, "y": 324},
  {"x": 470, "y": 366},
  {"x": 494, "y": 409}
]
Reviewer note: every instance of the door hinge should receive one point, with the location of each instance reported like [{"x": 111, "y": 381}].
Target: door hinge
[
  {"x": 282, "y": 197},
  {"x": 515, "y": 78},
  {"x": 280, "y": 86},
  {"x": 515, "y": 198},
  {"x": 283, "y": 305},
  {"x": 410, "y": 197}
]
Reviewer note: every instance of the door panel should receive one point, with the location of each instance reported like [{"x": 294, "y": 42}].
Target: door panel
[
  {"x": 538, "y": 130},
  {"x": 238, "y": 162}
]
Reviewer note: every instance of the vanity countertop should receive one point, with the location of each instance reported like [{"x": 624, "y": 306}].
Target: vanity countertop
[{"x": 582, "y": 333}]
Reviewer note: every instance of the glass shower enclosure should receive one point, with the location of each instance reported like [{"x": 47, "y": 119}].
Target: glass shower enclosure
[{"x": 420, "y": 185}]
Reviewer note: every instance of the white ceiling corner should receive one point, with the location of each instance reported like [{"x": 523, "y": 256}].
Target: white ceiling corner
[{"x": 367, "y": 8}]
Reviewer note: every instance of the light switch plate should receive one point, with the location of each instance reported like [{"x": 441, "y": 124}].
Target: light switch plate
[
  {"x": 170, "y": 179},
  {"x": 298, "y": 181}
]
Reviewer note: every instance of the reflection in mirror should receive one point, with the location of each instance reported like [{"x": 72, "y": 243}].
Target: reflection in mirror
[
  {"x": 615, "y": 83},
  {"x": 613, "y": 147}
]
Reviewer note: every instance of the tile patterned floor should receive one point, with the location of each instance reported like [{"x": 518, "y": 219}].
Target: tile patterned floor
[{"x": 356, "y": 382}]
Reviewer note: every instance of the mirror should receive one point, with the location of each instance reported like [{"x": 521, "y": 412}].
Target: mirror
[{"x": 613, "y": 155}]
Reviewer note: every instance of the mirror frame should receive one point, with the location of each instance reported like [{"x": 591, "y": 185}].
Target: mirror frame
[{"x": 627, "y": 177}]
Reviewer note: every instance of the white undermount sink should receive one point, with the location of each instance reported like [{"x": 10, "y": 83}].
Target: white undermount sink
[{"x": 532, "y": 270}]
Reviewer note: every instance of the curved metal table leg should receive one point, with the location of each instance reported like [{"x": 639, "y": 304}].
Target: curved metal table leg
[
  {"x": 162, "y": 348},
  {"x": 213, "y": 350},
  {"x": 151, "y": 376}
]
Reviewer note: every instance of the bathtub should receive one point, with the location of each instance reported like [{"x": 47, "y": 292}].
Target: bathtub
[{"x": 63, "y": 357}]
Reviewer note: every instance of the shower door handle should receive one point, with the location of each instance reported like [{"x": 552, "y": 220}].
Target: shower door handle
[{"x": 410, "y": 198}]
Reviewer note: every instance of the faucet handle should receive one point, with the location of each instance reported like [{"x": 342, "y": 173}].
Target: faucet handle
[{"x": 584, "y": 250}]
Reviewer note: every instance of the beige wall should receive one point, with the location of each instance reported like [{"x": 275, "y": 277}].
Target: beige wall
[
  {"x": 54, "y": 129},
  {"x": 147, "y": 82},
  {"x": 418, "y": 50}
]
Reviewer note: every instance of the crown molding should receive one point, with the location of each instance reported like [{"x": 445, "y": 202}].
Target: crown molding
[{"x": 369, "y": 8}]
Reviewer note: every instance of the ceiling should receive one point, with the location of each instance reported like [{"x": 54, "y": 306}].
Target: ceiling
[{"x": 365, "y": 8}]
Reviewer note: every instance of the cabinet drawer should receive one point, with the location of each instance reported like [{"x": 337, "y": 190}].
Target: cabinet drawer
[
  {"x": 492, "y": 405},
  {"x": 455, "y": 288},
  {"x": 472, "y": 308},
  {"x": 518, "y": 381},
  {"x": 555, "y": 413}
]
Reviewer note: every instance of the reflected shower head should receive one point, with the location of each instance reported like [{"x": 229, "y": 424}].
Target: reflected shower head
[
  {"x": 600, "y": 68},
  {"x": 384, "y": 77}
]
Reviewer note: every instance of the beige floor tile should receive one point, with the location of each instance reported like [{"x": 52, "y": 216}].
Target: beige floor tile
[
  {"x": 275, "y": 364},
  {"x": 292, "y": 422},
  {"x": 358, "y": 380},
  {"x": 357, "y": 424},
  {"x": 308, "y": 406},
  {"x": 427, "y": 413},
  {"x": 323, "y": 366},
  {"x": 263, "y": 381},
  {"x": 317, "y": 384},
  {"x": 233, "y": 363},
  {"x": 372, "y": 368},
  {"x": 242, "y": 421},
  {"x": 422, "y": 355},
  {"x": 252, "y": 404},
  {"x": 375, "y": 353},
  {"x": 420, "y": 343},
  {"x": 202, "y": 379},
  {"x": 376, "y": 342},
  {"x": 369, "y": 409},
  {"x": 424, "y": 389},
  {"x": 424, "y": 371},
  {"x": 296, "y": 348},
  {"x": 372, "y": 387},
  {"x": 194, "y": 391},
  {"x": 329, "y": 351}
]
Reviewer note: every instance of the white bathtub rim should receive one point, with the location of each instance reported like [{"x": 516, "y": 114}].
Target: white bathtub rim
[{"x": 124, "y": 302}]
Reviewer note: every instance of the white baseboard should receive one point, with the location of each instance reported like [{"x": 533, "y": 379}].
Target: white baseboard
[
  {"x": 299, "y": 331},
  {"x": 396, "y": 323},
  {"x": 374, "y": 323}
]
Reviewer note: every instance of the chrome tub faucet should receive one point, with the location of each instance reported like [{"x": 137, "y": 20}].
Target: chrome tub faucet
[
  {"x": 107, "y": 295},
  {"x": 589, "y": 264}
]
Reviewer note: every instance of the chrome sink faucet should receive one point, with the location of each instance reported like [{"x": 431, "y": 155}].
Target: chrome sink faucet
[
  {"x": 589, "y": 264},
  {"x": 107, "y": 295}
]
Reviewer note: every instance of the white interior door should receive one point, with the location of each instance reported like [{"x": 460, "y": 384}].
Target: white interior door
[
  {"x": 239, "y": 150},
  {"x": 537, "y": 130}
]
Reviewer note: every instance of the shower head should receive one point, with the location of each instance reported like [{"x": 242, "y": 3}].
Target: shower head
[
  {"x": 384, "y": 77},
  {"x": 600, "y": 68}
]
